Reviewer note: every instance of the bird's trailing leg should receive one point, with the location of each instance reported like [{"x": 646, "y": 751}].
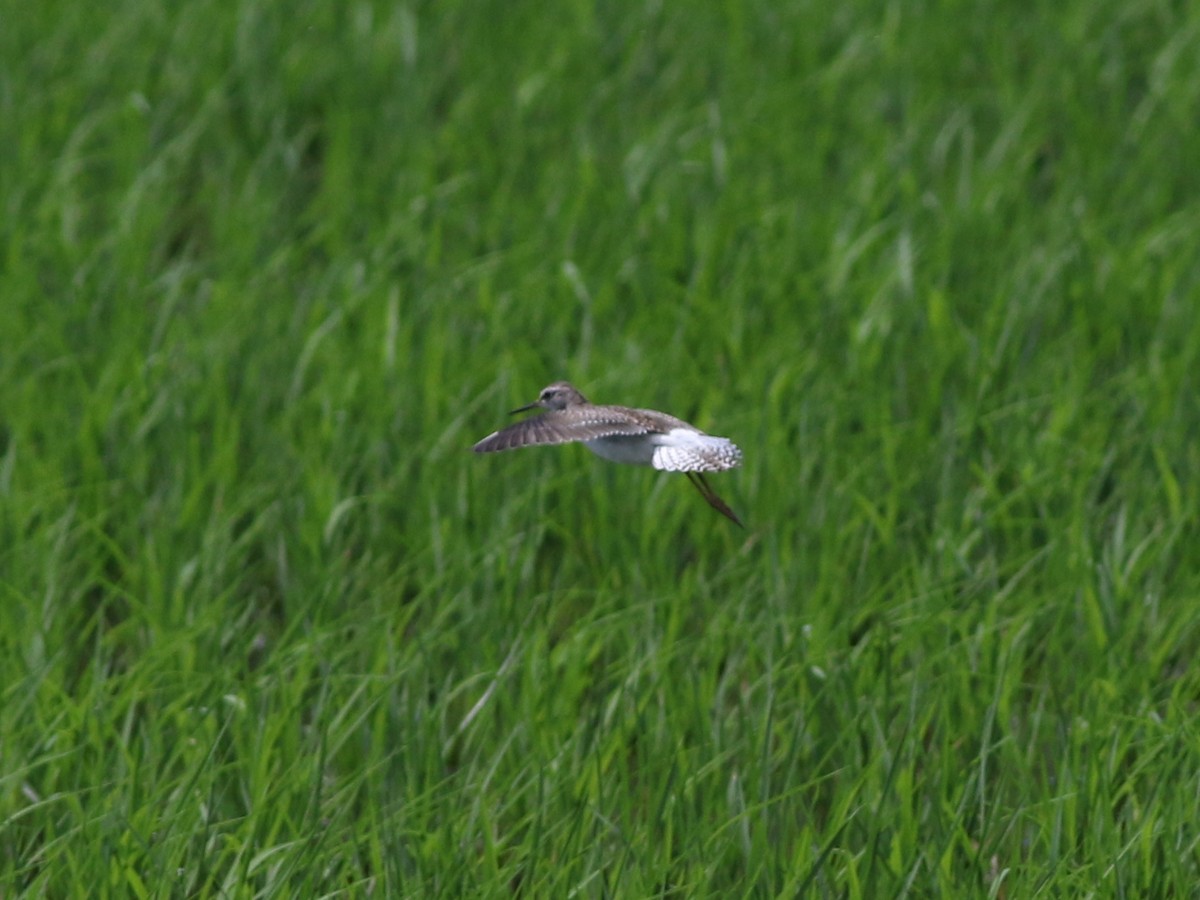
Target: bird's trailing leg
[{"x": 711, "y": 497}]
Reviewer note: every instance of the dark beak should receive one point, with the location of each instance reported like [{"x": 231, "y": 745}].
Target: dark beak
[{"x": 527, "y": 406}]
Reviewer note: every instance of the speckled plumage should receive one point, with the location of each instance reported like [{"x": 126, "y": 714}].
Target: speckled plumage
[{"x": 621, "y": 434}]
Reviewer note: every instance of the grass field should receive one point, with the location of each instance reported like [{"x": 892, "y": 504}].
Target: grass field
[{"x": 269, "y": 628}]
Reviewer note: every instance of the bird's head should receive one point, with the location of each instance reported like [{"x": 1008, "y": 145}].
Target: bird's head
[{"x": 555, "y": 396}]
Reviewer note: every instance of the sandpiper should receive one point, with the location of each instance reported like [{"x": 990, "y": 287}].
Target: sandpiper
[{"x": 643, "y": 437}]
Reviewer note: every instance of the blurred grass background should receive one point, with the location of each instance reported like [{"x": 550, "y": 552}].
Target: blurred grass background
[{"x": 269, "y": 628}]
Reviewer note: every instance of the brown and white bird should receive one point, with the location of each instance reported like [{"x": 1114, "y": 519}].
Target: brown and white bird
[{"x": 642, "y": 437}]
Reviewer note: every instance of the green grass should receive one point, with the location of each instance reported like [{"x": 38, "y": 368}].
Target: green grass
[{"x": 268, "y": 628}]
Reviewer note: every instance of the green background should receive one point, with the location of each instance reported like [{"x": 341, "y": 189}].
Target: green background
[{"x": 269, "y": 628}]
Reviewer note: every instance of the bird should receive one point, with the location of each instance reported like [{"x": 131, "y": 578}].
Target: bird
[{"x": 644, "y": 437}]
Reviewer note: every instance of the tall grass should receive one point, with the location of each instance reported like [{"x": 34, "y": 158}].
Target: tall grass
[{"x": 269, "y": 628}]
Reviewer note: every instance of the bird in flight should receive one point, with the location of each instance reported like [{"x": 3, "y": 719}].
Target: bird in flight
[{"x": 643, "y": 437}]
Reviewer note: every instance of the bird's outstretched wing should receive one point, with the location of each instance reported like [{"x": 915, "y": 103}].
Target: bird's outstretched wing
[{"x": 551, "y": 428}]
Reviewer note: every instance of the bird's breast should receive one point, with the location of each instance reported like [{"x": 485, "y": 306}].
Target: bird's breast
[{"x": 636, "y": 449}]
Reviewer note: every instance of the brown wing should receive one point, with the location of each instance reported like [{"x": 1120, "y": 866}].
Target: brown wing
[{"x": 555, "y": 428}]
